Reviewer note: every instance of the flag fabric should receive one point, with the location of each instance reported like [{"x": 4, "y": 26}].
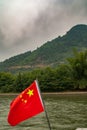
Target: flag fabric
[{"x": 25, "y": 105}]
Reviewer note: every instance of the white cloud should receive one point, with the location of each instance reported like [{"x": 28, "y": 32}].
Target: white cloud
[{"x": 16, "y": 15}]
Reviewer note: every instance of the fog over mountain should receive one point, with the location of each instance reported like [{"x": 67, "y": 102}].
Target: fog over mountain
[{"x": 27, "y": 24}]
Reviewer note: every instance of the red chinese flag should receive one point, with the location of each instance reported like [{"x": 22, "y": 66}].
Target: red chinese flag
[{"x": 26, "y": 105}]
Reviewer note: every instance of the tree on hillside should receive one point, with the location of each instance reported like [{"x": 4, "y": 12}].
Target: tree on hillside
[
  {"x": 18, "y": 84},
  {"x": 78, "y": 69},
  {"x": 6, "y": 82},
  {"x": 62, "y": 78}
]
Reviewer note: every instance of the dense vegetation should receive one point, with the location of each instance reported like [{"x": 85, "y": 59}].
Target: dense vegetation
[
  {"x": 65, "y": 77},
  {"x": 51, "y": 53}
]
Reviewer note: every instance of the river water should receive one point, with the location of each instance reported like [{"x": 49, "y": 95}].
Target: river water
[{"x": 65, "y": 112}]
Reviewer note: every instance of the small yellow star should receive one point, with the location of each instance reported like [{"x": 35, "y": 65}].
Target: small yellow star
[
  {"x": 30, "y": 92},
  {"x": 22, "y": 99},
  {"x": 20, "y": 96},
  {"x": 25, "y": 101}
]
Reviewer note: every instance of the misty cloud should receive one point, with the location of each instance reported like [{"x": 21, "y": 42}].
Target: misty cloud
[
  {"x": 16, "y": 15},
  {"x": 27, "y": 24}
]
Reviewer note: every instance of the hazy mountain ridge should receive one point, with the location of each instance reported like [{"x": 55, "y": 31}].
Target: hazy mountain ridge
[{"x": 51, "y": 53}]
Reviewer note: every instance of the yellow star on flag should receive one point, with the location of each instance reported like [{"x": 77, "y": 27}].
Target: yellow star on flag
[{"x": 30, "y": 92}]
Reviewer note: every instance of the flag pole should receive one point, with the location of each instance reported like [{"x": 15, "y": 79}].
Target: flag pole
[
  {"x": 47, "y": 117},
  {"x": 44, "y": 108}
]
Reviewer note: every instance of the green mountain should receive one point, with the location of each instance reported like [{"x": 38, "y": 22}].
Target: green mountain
[{"x": 51, "y": 53}]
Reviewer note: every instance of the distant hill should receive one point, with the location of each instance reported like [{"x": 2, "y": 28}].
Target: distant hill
[{"x": 51, "y": 53}]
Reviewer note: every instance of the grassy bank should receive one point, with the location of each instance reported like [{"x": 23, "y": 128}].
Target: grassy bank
[{"x": 51, "y": 93}]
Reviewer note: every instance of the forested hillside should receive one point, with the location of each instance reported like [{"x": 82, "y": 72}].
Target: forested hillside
[
  {"x": 66, "y": 77},
  {"x": 51, "y": 53}
]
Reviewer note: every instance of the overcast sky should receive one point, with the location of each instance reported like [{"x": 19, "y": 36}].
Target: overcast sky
[{"x": 28, "y": 24}]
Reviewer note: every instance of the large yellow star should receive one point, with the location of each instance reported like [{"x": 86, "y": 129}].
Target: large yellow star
[{"x": 30, "y": 92}]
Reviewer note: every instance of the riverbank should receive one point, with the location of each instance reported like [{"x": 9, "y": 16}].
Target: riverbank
[{"x": 50, "y": 93}]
